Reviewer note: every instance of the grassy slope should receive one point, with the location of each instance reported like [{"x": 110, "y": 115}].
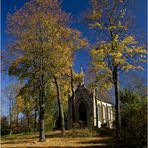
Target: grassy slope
[{"x": 73, "y": 138}]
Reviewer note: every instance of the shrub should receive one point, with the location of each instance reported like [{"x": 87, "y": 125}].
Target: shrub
[
  {"x": 4, "y": 126},
  {"x": 82, "y": 133},
  {"x": 134, "y": 119}
]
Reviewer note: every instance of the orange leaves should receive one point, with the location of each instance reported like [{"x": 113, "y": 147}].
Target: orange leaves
[{"x": 44, "y": 40}]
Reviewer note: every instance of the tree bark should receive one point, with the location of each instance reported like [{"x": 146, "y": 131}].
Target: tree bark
[
  {"x": 42, "y": 116},
  {"x": 28, "y": 122},
  {"x": 10, "y": 115},
  {"x": 96, "y": 110},
  {"x": 60, "y": 106},
  {"x": 17, "y": 119},
  {"x": 117, "y": 104},
  {"x": 35, "y": 116},
  {"x": 73, "y": 95}
]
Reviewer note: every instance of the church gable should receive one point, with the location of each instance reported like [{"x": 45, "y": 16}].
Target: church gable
[
  {"x": 83, "y": 105},
  {"x": 83, "y": 94}
]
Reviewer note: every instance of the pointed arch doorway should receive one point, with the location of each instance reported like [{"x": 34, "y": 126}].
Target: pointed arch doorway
[{"x": 82, "y": 113}]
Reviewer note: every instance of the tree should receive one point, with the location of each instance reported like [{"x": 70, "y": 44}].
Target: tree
[
  {"x": 117, "y": 51},
  {"x": 27, "y": 105},
  {"x": 51, "y": 106},
  {"x": 134, "y": 118},
  {"x": 75, "y": 79},
  {"x": 11, "y": 92},
  {"x": 61, "y": 68},
  {"x": 42, "y": 47},
  {"x": 4, "y": 126}
]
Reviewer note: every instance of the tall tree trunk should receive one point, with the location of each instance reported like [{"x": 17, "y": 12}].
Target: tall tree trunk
[
  {"x": 28, "y": 122},
  {"x": 10, "y": 133},
  {"x": 60, "y": 106},
  {"x": 73, "y": 95},
  {"x": 10, "y": 115},
  {"x": 42, "y": 116},
  {"x": 117, "y": 104},
  {"x": 96, "y": 109},
  {"x": 35, "y": 116},
  {"x": 17, "y": 118}
]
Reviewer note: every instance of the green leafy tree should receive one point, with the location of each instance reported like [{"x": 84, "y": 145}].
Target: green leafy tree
[{"x": 134, "y": 118}]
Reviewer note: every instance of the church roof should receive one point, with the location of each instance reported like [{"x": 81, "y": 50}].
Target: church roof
[
  {"x": 83, "y": 88},
  {"x": 90, "y": 93}
]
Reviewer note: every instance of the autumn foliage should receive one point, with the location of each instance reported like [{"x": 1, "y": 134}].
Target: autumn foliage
[{"x": 42, "y": 47}]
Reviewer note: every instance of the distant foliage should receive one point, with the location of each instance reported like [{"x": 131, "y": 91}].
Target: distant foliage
[
  {"x": 134, "y": 118},
  {"x": 5, "y": 129}
]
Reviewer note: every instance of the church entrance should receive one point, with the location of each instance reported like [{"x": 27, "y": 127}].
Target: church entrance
[{"x": 82, "y": 114}]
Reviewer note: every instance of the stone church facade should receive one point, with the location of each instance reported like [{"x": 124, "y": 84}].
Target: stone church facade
[{"x": 87, "y": 110}]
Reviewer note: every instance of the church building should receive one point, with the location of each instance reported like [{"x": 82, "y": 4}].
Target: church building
[{"x": 86, "y": 109}]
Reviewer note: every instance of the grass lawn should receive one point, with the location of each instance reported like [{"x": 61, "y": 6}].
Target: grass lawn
[{"x": 72, "y": 138}]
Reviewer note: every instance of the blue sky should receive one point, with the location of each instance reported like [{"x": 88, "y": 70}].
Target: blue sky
[{"x": 75, "y": 7}]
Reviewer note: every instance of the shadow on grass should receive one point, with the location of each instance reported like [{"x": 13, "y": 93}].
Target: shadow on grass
[
  {"x": 16, "y": 142},
  {"x": 57, "y": 135},
  {"x": 108, "y": 143},
  {"x": 18, "y": 138}
]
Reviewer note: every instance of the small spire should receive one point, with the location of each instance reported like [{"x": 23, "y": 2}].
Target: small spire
[
  {"x": 81, "y": 72},
  {"x": 81, "y": 69}
]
